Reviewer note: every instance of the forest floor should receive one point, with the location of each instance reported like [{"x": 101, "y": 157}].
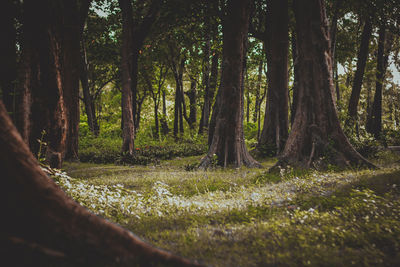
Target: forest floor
[{"x": 249, "y": 217}]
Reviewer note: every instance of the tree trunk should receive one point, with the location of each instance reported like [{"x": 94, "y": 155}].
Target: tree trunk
[
  {"x": 205, "y": 114},
  {"x": 227, "y": 138},
  {"x": 87, "y": 97},
  {"x": 71, "y": 59},
  {"x": 128, "y": 128},
  {"x": 276, "y": 121},
  {"x": 359, "y": 75},
  {"x": 60, "y": 232},
  {"x": 179, "y": 108},
  {"x": 192, "y": 95},
  {"x": 43, "y": 79},
  {"x": 374, "y": 121},
  {"x": 316, "y": 137},
  {"x": 164, "y": 123},
  {"x": 258, "y": 91},
  {"x": 8, "y": 55}
]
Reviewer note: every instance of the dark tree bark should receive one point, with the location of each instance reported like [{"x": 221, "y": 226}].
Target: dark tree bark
[
  {"x": 8, "y": 54},
  {"x": 333, "y": 32},
  {"x": 60, "y": 232},
  {"x": 128, "y": 128},
  {"x": 374, "y": 121},
  {"x": 43, "y": 79},
  {"x": 316, "y": 136},
  {"x": 359, "y": 75},
  {"x": 227, "y": 138},
  {"x": 276, "y": 121},
  {"x": 71, "y": 36}
]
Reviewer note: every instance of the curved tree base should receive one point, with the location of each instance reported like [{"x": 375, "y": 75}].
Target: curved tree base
[
  {"x": 336, "y": 151},
  {"x": 50, "y": 229},
  {"x": 245, "y": 159}
]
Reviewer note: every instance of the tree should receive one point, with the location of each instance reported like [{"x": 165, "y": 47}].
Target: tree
[
  {"x": 44, "y": 227},
  {"x": 374, "y": 120},
  {"x": 48, "y": 84},
  {"x": 74, "y": 16},
  {"x": 135, "y": 30},
  {"x": 276, "y": 122},
  {"x": 316, "y": 135},
  {"x": 100, "y": 58},
  {"x": 128, "y": 128},
  {"x": 226, "y": 134},
  {"x": 155, "y": 91},
  {"x": 8, "y": 68},
  {"x": 359, "y": 75}
]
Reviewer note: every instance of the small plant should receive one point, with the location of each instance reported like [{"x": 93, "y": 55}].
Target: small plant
[{"x": 42, "y": 146}]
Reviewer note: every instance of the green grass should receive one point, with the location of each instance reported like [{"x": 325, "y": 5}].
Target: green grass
[{"x": 249, "y": 217}]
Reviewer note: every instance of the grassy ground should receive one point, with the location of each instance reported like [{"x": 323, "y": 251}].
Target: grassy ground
[{"x": 248, "y": 217}]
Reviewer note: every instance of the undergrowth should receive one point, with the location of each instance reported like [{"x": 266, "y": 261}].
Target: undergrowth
[{"x": 252, "y": 218}]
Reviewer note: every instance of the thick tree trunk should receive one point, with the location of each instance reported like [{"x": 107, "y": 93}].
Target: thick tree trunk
[
  {"x": 43, "y": 79},
  {"x": 44, "y": 227},
  {"x": 359, "y": 75},
  {"x": 128, "y": 129},
  {"x": 8, "y": 55},
  {"x": 71, "y": 59},
  {"x": 316, "y": 137},
  {"x": 276, "y": 121},
  {"x": 227, "y": 138}
]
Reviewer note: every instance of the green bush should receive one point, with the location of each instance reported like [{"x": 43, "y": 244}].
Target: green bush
[{"x": 108, "y": 150}]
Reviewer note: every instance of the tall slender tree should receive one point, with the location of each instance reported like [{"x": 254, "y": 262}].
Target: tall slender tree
[
  {"x": 374, "y": 120},
  {"x": 361, "y": 63},
  {"x": 226, "y": 135},
  {"x": 316, "y": 135}
]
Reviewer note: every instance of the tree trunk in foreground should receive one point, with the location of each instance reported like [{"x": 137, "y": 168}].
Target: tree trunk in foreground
[
  {"x": 276, "y": 122},
  {"x": 128, "y": 129},
  {"x": 8, "y": 54},
  {"x": 316, "y": 137},
  {"x": 226, "y": 137},
  {"x": 359, "y": 75},
  {"x": 44, "y": 227}
]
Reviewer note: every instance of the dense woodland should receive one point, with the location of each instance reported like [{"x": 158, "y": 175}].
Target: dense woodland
[{"x": 272, "y": 87}]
